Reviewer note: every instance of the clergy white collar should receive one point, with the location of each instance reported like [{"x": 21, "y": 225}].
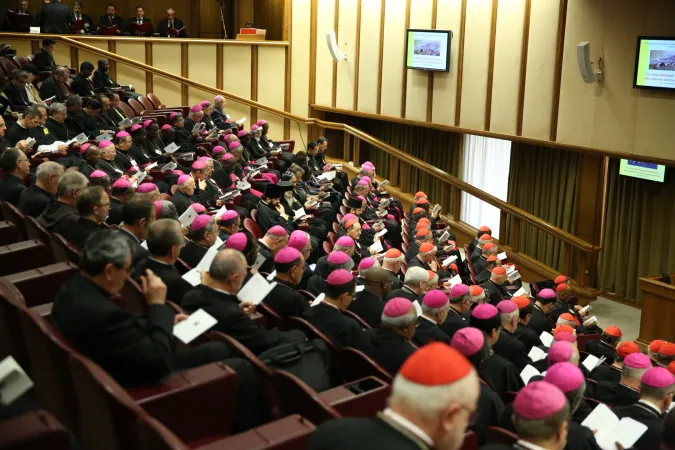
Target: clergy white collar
[
  {"x": 409, "y": 426},
  {"x": 528, "y": 446},
  {"x": 429, "y": 319},
  {"x": 651, "y": 406}
]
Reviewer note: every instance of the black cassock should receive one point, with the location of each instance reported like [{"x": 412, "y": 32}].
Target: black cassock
[
  {"x": 600, "y": 349},
  {"x": 361, "y": 434},
  {"x": 286, "y": 301},
  {"x": 509, "y": 347},
  {"x": 78, "y": 234},
  {"x": 427, "y": 331},
  {"x": 501, "y": 375},
  {"x": 138, "y": 253},
  {"x": 176, "y": 286},
  {"x": 649, "y": 416},
  {"x": 387, "y": 348},
  {"x": 490, "y": 409},
  {"x": 192, "y": 253},
  {"x": 606, "y": 373},
  {"x": 454, "y": 322},
  {"x": 539, "y": 322},
  {"x": 11, "y": 189},
  {"x": 615, "y": 394},
  {"x": 527, "y": 336},
  {"x": 181, "y": 201},
  {"x": 268, "y": 217},
  {"x": 368, "y": 307},
  {"x": 396, "y": 282},
  {"x": 115, "y": 214},
  {"x": 495, "y": 292},
  {"x": 342, "y": 330},
  {"x": 33, "y": 201},
  {"x": 404, "y": 292},
  {"x": 268, "y": 265}
]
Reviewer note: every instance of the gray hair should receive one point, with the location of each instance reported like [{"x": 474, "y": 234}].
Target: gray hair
[
  {"x": 226, "y": 263},
  {"x": 415, "y": 275},
  {"x": 210, "y": 227},
  {"x": 632, "y": 373},
  {"x": 48, "y": 169},
  {"x": 542, "y": 428},
  {"x": 401, "y": 321},
  {"x": 506, "y": 317},
  {"x": 168, "y": 210},
  {"x": 73, "y": 100},
  {"x": 19, "y": 73},
  {"x": 71, "y": 181},
  {"x": 103, "y": 248},
  {"x": 343, "y": 248},
  {"x": 32, "y": 111},
  {"x": 428, "y": 311},
  {"x": 164, "y": 234},
  {"x": 56, "y": 108}
]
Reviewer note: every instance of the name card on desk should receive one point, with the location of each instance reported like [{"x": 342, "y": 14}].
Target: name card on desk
[
  {"x": 255, "y": 290},
  {"x": 194, "y": 326}
]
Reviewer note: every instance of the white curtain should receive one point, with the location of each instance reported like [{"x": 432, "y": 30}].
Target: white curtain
[{"x": 486, "y": 166}]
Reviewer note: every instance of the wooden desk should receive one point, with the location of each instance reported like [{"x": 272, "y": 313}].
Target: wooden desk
[{"x": 658, "y": 309}]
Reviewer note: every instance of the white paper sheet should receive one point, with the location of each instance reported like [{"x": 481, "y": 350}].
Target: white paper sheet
[
  {"x": 449, "y": 260},
  {"x": 312, "y": 267},
  {"x": 359, "y": 288},
  {"x": 221, "y": 211},
  {"x": 13, "y": 381},
  {"x": 585, "y": 309},
  {"x": 436, "y": 210},
  {"x": 383, "y": 184},
  {"x": 455, "y": 280},
  {"x": 319, "y": 298},
  {"x": 376, "y": 247},
  {"x": 592, "y": 361},
  {"x": 243, "y": 185},
  {"x": 144, "y": 244},
  {"x": 501, "y": 256},
  {"x": 126, "y": 123},
  {"x": 609, "y": 429},
  {"x": 271, "y": 276},
  {"x": 258, "y": 262},
  {"x": 193, "y": 277},
  {"x": 381, "y": 233},
  {"x": 151, "y": 166},
  {"x": 299, "y": 213},
  {"x": 171, "y": 148},
  {"x": 536, "y": 354},
  {"x": 444, "y": 237},
  {"x": 546, "y": 338},
  {"x": 418, "y": 308},
  {"x": 170, "y": 166},
  {"x": 528, "y": 372},
  {"x": 187, "y": 217},
  {"x": 521, "y": 292},
  {"x": 30, "y": 142},
  {"x": 255, "y": 290},
  {"x": 205, "y": 264},
  {"x": 194, "y": 326}
]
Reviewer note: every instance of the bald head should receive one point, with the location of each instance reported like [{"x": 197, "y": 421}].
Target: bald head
[
  {"x": 376, "y": 274},
  {"x": 226, "y": 264}
]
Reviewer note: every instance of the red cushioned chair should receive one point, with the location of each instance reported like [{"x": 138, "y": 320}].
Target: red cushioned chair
[
  {"x": 312, "y": 332},
  {"x": 35, "y": 230},
  {"x": 20, "y": 61},
  {"x": 33, "y": 430},
  {"x": 24, "y": 255},
  {"x": 253, "y": 228},
  {"x": 358, "y": 319},
  {"x": 361, "y": 398},
  {"x": 155, "y": 101},
  {"x": 327, "y": 247},
  {"x": 128, "y": 110},
  {"x": 273, "y": 318},
  {"x": 356, "y": 365},
  {"x": 49, "y": 354},
  {"x": 136, "y": 106},
  {"x": 40, "y": 286},
  {"x": 583, "y": 339},
  {"x": 12, "y": 214},
  {"x": 296, "y": 397},
  {"x": 131, "y": 298},
  {"x": 470, "y": 441},
  {"x": 11, "y": 338},
  {"x": 9, "y": 233},
  {"x": 147, "y": 104},
  {"x": 496, "y": 435},
  {"x": 63, "y": 250}
]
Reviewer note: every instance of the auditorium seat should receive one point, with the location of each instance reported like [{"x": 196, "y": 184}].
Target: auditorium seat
[
  {"x": 496, "y": 435},
  {"x": 127, "y": 110},
  {"x": 20, "y": 61},
  {"x": 583, "y": 339},
  {"x": 24, "y": 255},
  {"x": 200, "y": 411},
  {"x": 295, "y": 397},
  {"x": 308, "y": 295},
  {"x": 40, "y": 286},
  {"x": 136, "y": 106},
  {"x": 155, "y": 101},
  {"x": 470, "y": 441},
  {"x": 12, "y": 214},
  {"x": 148, "y": 107},
  {"x": 290, "y": 433},
  {"x": 131, "y": 298},
  {"x": 311, "y": 332},
  {"x": 33, "y": 430},
  {"x": 63, "y": 251},
  {"x": 9, "y": 233},
  {"x": 35, "y": 230},
  {"x": 273, "y": 319},
  {"x": 11, "y": 338},
  {"x": 356, "y": 365},
  {"x": 48, "y": 356},
  {"x": 8, "y": 66},
  {"x": 360, "y": 398},
  {"x": 253, "y": 228},
  {"x": 332, "y": 237},
  {"x": 327, "y": 248},
  {"x": 358, "y": 319}
]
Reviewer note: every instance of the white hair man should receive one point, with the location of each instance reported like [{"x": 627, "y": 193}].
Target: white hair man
[
  {"x": 435, "y": 308},
  {"x": 35, "y": 199},
  {"x": 625, "y": 392},
  {"x": 415, "y": 284},
  {"x": 392, "y": 263},
  {"x": 508, "y": 345},
  {"x": 427, "y": 408}
]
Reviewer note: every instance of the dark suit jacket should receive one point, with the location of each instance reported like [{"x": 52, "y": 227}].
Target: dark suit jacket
[
  {"x": 649, "y": 416},
  {"x": 600, "y": 349},
  {"x": 78, "y": 234},
  {"x": 115, "y": 215},
  {"x": 138, "y": 253},
  {"x": 11, "y": 189},
  {"x": 361, "y": 433},
  {"x": 59, "y": 131},
  {"x": 396, "y": 282},
  {"x": 387, "y": 348},
  {"x": 16, "y": 133},
  {"x": 192, "y": 253},
  {"x": 231, "y": 319},
  {"x": 44, "y": 61},
  {"x": 342, "y": 330},
  {"x": 269, "y": 217},
  {"x": 286, "y": 301},
  {"x": 181, "y": 201},
  {"x": 368, "y": 307},
  {"x": 427, "y": 332},
  {"x": 87, "y": 124},
  {"x": 54, "y": 19},
  {"x": 89, "y": 26},
  {"x": 176, "y": 286},
  {"x": 59, "y": 217},
  {"x": 509, "y": 347},
  {"x": 494, "y": 292},
  {"x": 143, "y": 20},
  {"x": 81, "y": 86},
  {"x": 33, "y": 201},
  {"x": 135, "y": 351},
  {"x": 527, "y": 336},
  {"x": 116, "y": 20},
  {"x": 539, "y": 322},
  {"x": 18, "y": 97},
  {"x": 454, "y": 322},
  {"x": 606, "y": 373},
  {"x": 501, "y": 375},
  {"x": 163, "y": 28},
  {"x": 403, "y": 292},
  {"x": 268, "y": 265},
  {"x": 50, "y": 88}
]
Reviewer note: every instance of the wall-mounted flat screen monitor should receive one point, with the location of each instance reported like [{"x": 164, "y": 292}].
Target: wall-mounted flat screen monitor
[
  {"x": 642, "y": 170},
  {"x": 655, "y": 63},
  {"x": 428, "y": 50}
]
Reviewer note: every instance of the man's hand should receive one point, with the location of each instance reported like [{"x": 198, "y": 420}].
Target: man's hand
[
  {"x": 63, "y": 149},
  {"x": 280, "y": 209},
  {"x": 153, "y": 288},
  {"x": 434, "y": 265},
  {"x": 247, "y": 307},
  {"x": 219, "y": 203},
  {"x": 178, "y": 318}
]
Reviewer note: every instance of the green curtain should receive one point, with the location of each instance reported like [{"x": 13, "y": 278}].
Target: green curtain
[
  {"x": 639, "y": 232},
  {"x": 542, "y": 181}
]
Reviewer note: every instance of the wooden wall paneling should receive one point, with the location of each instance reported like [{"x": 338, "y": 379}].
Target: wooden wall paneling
[
  {"x": 416, "y": 91},
  {"x": 312, "y": 55},
  {"x": 444, "y": 92},
  {"x": 244, "y": 13},
  {"x": 301, "y": 59},
  {"x": 287, "y": 36},
  {"x": 195, "y": 25},
  {"x": 210, "y": 23},
  {"x": 74, "y": 57},
  {"x": 219, "y": 66},
  {"x": 254, "y": 82},
  {"x": 393, "y": 59},
  {"x": 404, "y": 84},
  {"x": 430, "y": 86},
  {"x": 130, "y": 75},
  {"x": 84, "y": 55},
  {"x": 198, "y": 65},
  {"x": 35, "y": 46},
  {"x": 324, "y": 61},
  {"x": 237, "y": 78},
  {"x": 507, "y": 67},
  {"x": 336, "y": 28},
  {"x": 61, "y": 54},
  {"x": 357, "y": 54},
  {"x": 369, "y": 76},
  {"x": 460, "y": 64},
  {"x": 541, "y": 54},
  {"x": 23, "y": 47},
  {"x": 345, "y": 79},
  {"x": 166, "y": 55},
  {"x": 149, "y": 82},
  {"x": 383, "y": 14},
  {"x": 268, "y": 15},
  {"x": 184, "y": 72},
  {"x": 491, "y": 64},
  {"x": 112, "y": 48},
  {"x": 557, "y": 80},
  {"x": 523, "y": 67},
  {"x": 475, "y": 74}
]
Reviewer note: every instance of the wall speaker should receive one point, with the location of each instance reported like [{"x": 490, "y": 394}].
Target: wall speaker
[
  {"x": 588, "y": 72},
  {"x": 333, "y": 48}
]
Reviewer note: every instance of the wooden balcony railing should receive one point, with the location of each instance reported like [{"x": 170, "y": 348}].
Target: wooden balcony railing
[{"x": 579, "y": 254}]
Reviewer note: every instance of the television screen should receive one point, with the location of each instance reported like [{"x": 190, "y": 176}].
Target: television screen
[
  {"x": 428, "y": 50},
  {"x": 643, "y": 170},
  {"x": 655, "y": 63}
]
